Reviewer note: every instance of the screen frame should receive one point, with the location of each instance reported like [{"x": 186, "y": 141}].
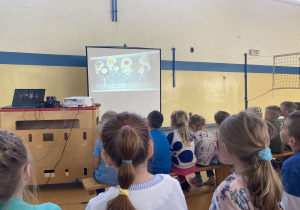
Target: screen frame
[{"x": 124, "y": 47}]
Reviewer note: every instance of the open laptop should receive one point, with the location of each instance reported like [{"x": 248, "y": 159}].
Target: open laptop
[{"x": 27, "y": 98}]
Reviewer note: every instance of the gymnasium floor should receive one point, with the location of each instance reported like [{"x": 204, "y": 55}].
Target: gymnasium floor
[{"x": 73, "y": 197}]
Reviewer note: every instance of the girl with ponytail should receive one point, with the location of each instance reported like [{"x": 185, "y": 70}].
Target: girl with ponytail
[
  {"x": 255, "y": 184},
  {"x": 182, "y": 148},
  {"x": 127, "y": 149}
]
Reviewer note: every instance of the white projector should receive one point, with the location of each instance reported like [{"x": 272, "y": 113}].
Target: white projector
[{"x": 78, "y": 101}]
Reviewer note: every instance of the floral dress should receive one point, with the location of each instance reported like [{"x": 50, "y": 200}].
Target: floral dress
[
  {"x": 206, "y": 146},
  {"x": 232, "y": 194}
]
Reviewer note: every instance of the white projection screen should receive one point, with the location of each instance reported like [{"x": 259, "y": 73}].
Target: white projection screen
[{"x": 124, "y": 79}]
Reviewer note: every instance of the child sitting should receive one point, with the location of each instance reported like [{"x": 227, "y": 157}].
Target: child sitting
[
  {"x": 256, "y": 110},
  {"x": 15, "y": 172},
  {"x": 255, "y": 184},
  {"x": 220, "y": 116},
  {"x": 272, "y": 113},
  {"x": 102, "y": 173},
  {"x": 290, "y": 135},
  {"x": 287, "y": 107},
  {"x": 182, "y": 148},
  {"x": 160, "y": 163},
  {"x": 298, "y": 105},
  {"x": 206, "y": 149},
  {"x": 127, "y": 148}
]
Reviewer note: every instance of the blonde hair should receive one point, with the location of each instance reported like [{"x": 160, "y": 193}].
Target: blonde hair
[
  {"x": 179, "y": 119},
  {"x": 245, "y": 134},
  {"x": 14, "y": 155},
  {"x": 255, "y": 110}
]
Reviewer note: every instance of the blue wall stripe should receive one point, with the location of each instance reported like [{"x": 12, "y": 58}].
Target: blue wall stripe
[{"x": 17, "y": 58}]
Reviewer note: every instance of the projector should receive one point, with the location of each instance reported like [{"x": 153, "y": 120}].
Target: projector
[{"x": 78, "y": 101}]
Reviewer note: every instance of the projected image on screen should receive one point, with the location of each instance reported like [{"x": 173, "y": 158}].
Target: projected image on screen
[
  {"x": 128, "y": 72},
  {"x": 124, "y": 79}
]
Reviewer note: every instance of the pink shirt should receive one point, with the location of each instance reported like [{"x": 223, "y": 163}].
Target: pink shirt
[{"x": 222, "y": 157}]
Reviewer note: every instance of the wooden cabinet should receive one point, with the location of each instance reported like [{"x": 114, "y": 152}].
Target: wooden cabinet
[{"x": 46, "y": 132}]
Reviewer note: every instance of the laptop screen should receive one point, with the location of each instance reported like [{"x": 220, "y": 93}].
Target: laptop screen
[{"x": 28, "y": 97}]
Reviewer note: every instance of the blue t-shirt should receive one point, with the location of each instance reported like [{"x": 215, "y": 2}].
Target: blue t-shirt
[
  {"x": 160, "y": 163},
  {"x": 291, "y": 175},
  {"x": 16, "y": 203},
  {"x": 104, "y": 174}
]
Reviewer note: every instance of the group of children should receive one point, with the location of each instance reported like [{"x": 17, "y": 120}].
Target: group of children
[{"x": 139, "y": 166}]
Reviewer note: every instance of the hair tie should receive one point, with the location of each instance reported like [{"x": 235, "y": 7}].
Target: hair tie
[
  {"x": 123, "y": 191},
  {"x": 265, "y": 154},
  {"x": 125, "y": 126},
  {"x": 127, "y": 161}
]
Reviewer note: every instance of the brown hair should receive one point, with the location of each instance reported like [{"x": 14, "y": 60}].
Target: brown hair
[
  {"x": 294, "y": 125},
  {"x": 179, "y": 118},
  {"x": 220, "y": 116},
  {"x": 14, "y": 155},
  {"x": 298, "y": 105},
  {"x": 245, "y": 134},
  {"x": 289, "y": 106},
  {"x": 196, "y": 120},
  {"x": 125, "y": 143},
  {"x": 273, "y": 111}
]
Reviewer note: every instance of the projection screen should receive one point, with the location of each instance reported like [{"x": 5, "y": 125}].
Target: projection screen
[{"x": 124, "y": 79}]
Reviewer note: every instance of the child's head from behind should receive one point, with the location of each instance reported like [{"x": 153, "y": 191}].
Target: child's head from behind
[
  {"x": 298, "y": 105},
  {"x": 179, "y": 121},
  {"x": 15, "y": 170},
  {"x": 155, "y": 119},
  {"x": 290, "y": 130},
  {"x": 272, "y": 113},
  {"x": 287, "y": 107},
  {"x": 255, "y": 110},
  {"x": 178, "y": 118},
  {"x": 105, "y": 117},
  {"x": 126, "y": 142},
  {"x": 245, "y": 135},
  {"x": 196, "y": 122},
  {"x": 220, "y": 116}
]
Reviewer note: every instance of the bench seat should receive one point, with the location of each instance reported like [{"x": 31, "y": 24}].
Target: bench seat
[
  {"x": 90, "y": 184},
  {"x": 286, "y": 153}
]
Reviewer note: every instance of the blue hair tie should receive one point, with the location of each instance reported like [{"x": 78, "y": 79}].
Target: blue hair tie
[
  {"x": 127, "y": 161},
  {"x": 265, "y": 154}
]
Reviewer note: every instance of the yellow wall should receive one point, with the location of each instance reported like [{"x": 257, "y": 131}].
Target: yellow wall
[
  {"x": 200, "y": 92},
  {"x": 219, "y": 31},
  {"x": 58, "y": 81}
]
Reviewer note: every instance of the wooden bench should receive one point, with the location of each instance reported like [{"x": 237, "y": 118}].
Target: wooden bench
[
  {"x": 286, "y": 153},
  {"x": 221, "y": 172}
]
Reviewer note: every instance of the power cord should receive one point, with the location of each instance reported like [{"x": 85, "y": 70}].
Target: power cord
[
  {"x": 55, "y": 140},
  {"x": 62, "y": 151}
]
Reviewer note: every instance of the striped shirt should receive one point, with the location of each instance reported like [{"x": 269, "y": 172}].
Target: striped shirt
[{"x": 162, "y": 192}]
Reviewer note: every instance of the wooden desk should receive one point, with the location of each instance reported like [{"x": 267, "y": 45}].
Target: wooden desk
[{"x": 46, "y": 130}]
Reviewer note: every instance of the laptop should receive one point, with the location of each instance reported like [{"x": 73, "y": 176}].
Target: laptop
[{"x": 26, "y": 98}]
